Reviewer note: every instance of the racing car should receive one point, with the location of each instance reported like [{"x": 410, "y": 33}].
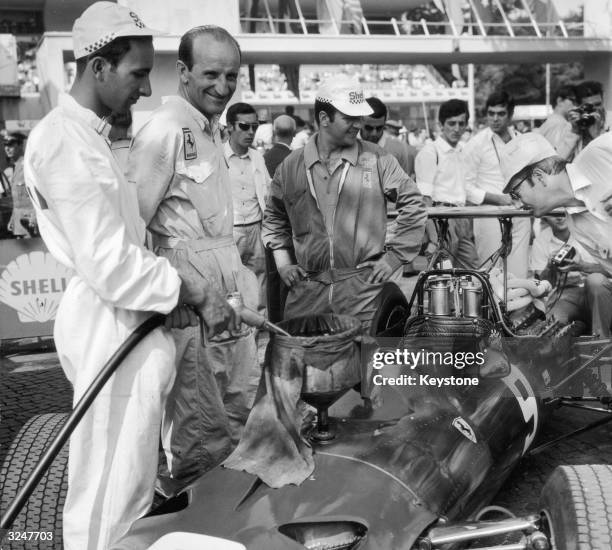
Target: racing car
[{"x": 415, "y": 464}]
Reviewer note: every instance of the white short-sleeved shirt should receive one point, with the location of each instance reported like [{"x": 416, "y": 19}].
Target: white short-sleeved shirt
[
  {"x": 590, "y": 177},
  {"x": 440, "y": 172},
  {"x": 483, "y": 157}
]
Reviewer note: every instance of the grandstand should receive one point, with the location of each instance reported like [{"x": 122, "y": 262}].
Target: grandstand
[
  {"x": 392, "y": 45},
  {"x": 535, "y": 18}
]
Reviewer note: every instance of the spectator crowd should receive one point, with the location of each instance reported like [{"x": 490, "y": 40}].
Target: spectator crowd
[
  {"x": 456, "y": 166},
  {"x": 452, "y": 166}
]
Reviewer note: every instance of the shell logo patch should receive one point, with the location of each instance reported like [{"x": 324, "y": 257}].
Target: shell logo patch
[
  {"x": 464, "y": 428},
  {"x": 33, "y": 284}
]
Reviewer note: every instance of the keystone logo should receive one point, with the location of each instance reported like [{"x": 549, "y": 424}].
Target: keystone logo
[{"x": 33, "y": 284}]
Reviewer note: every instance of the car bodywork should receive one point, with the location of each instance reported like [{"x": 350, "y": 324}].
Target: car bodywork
[{"x": 425, "y": 454}]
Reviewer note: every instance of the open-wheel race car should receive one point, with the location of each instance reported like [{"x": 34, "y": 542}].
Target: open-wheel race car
[{"x": 406, "y": 464}]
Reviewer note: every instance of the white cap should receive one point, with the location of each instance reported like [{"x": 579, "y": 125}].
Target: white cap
[
  {"x": 521, "y": 151},
  {"x": 345, "y": 94},
  {"x": 101, "y": 23}
]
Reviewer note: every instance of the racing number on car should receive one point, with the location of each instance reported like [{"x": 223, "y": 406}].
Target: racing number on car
[{"x": 522, "y": 391}]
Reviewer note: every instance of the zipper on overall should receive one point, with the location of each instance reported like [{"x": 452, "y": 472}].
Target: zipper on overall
[{"x": 330, "y": 235}]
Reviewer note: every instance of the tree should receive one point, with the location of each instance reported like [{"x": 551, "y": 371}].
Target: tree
[{"x": 525, "y": 82}]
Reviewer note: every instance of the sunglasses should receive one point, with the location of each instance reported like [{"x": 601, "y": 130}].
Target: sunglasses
[
  {"x": 11, "y": 143},
  {"x": 246, "y": 126},
  {"x": 369, "y": 128},
  {"x": 514, "y": 194}
]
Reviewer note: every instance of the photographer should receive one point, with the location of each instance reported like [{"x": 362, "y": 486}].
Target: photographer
[
  {"x": 579, "y": 283},
  {"x": 588, "y": 120}
]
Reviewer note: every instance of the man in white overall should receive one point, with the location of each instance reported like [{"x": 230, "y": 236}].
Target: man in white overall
[
  {"x": 184, "y": 193},
  {"x": 88, "y": 218}
]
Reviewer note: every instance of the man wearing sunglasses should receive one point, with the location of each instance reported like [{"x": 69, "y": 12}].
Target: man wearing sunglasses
[
  {"x": 326, "y": 217},
  {"x": 249, "y": 181},
  {"x": 540, "y": 179},
  {"x": 483, "y": 175},
  {"x": 375, "y": 129},
  {"x": 185, "y": 198}
]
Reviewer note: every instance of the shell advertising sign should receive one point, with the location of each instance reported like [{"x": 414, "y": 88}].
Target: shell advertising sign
[{"x": 31, "y": 286}]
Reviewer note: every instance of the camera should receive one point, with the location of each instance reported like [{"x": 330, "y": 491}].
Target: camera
[
  {"x": 563, "y": 255},
  {"x": 588, "y": 115}
]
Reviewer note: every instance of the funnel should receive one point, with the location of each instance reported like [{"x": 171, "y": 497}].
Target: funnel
[
  {"x": 331, "y": 357},
  {"x": 322, "y": 401}
]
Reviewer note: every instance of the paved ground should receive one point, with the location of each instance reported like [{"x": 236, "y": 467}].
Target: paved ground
[
  {"x": 33, "y": 383},
  {"x": 521, "y": 491}
]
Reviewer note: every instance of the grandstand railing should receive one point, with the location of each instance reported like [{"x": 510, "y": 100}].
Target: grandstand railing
[
  {"x": 473, "y": 24},
  {"x": 422, "y": 27}
]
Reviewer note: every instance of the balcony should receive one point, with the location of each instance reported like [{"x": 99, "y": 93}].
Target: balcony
[
  {"x": 453, "y": 17},
  {"x": 304, "y": 31}
]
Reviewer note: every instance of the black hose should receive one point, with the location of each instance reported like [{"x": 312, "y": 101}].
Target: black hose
[{"x": 80, "y": 409}]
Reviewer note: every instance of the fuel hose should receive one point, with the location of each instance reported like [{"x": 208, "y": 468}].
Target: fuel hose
[{"x": 80, "y": 409}]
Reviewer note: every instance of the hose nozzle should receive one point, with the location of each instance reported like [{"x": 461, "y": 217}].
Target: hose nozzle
[{"x": 250, "y": 317}]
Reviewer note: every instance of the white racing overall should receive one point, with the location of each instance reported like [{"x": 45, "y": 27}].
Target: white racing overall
[
  {"x": 184, "y": 195},
  {"x": 88, "y": 217}
]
